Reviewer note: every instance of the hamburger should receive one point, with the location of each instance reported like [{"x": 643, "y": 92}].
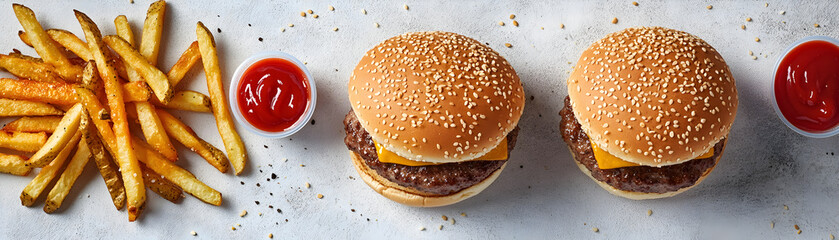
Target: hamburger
[
  {"x": 648, "y": 111},
  {"x": 434, "y": 117}
]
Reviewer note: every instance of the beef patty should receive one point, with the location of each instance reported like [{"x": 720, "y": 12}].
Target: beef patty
[
  {"x": 440, "y": 180},
  {"x": 633, "y": 179}
]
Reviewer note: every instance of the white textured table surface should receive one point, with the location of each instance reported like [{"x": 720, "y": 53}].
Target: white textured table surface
[{"x": 541, "y": 194}]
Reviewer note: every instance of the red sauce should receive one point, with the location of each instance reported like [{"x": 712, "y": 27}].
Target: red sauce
[
  {"x": 807, "y": 86},
  {"x": 273, "y": 94}
]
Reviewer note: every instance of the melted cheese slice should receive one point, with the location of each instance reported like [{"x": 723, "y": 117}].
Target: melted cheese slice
[
  {"x": 385, "y": 156},
  {"x": 606, "y": 160}
]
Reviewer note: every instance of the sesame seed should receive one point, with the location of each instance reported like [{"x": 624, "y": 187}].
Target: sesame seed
[
  {"x": 743, "y": 27},
  {"x": 376, "y": 25},
  {"x": 310, "y": 11},
  {"x": 320, "y": 196},
  {"x": 363, "y": 11},
  {"x": 772, "y": 224},
  {"x": 757, "y": 39},
  {"x": 463, "y": 214},
  {"x": 308, "y": 185},
  {"x": 635, "y": 3},
  {"x": 422, "y": 229},
  {"x": 291, "y": 25},
  {"x": 405, "y": 6},
  {"x": 649, "y": 212},
  {"x": 709, "y": 7},
  {"x": 782, "y": 12},
  {"x": 816, "y": 25},
  {"x": 594, "y": 229},
  {"x": 271, "y": 235},
  {"x": 500, "y": 23},
  {"x": 303, "y": 14},
  {"x": 315, "y": 16},
  {"x": 512, "y": 16},
  {"x": 614, "y": 20},
  {"x": 748, "y": 19},
  {"x": 244, "y": 212},
  {"x": 331, "y": 8},
  {"x": 193, "y": 233},
  {"x": 562, "y": 26},
  {"x": 515, "y": 23},
  {"x": 441, "y": 227},
  {"x": 508, "y": 45},
  {"x": 445, "y": 218},
  {"x": 335, "y": 29}
]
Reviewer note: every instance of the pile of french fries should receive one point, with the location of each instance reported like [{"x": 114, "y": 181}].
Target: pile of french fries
[{"x": 76, "y": 100}]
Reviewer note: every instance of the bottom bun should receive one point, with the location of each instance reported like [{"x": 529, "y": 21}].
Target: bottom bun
[
  {"x": 643, "y": 195},
  {"x": 413, "y": 197}
]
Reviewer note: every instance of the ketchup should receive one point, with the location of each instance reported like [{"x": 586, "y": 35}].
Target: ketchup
[
  {"x": 273, "y": 94},
  {"x": 807, "y": 86}
]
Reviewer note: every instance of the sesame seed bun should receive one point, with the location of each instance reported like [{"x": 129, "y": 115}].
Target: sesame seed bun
[
  {"x": 413, "y": 197},
  {"x": 436, "y": 96},
  {"x": 653, "y": 96},
  {"x": 643, "y": 195}
]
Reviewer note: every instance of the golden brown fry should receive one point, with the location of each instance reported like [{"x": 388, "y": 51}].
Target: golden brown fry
[
  {"x": 129, "y": 167},
  {"x": 66, "y": 130},
  {"x": 161, "y": 186},
  {"x": 177, "y": 175},
  {"x": 33, "y": 124},
  {"x": 105, "y": 165},
  {"x": 184, "y": 134},
  {"x": 26, "y": 68},
  {"x": 184, "y": 64},
  {"x": 59, "y": 93},
  {"x": 189, "y": 101},
  {"x": 232, "y": 142},
  {"x": 66, "y": 39},
  {"x": 68, "y": 178},
  {"x": 44, "y": 45},
  {"x": 158, "y": 81},
  {"x": 153, "y": 31},
  {"x": 149, "y": 121},
  {"x": 13, "y": 164},
  {"x": 22, "y": 141},
  {"x": 52, "y": 93},
  {"x": 39, "y": 183},
  {"x": 17, "y": 108}
]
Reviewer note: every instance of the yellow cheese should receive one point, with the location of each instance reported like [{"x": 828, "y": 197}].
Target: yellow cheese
[
  {"x": 606, "y": 160},
  {"x": 385, "y": 156}
]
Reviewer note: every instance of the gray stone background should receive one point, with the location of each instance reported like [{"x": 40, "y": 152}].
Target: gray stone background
[{"x": 541, "y": 194}]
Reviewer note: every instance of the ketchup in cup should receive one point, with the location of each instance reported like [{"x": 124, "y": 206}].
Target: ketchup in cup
[
  {"x": 274, "y": 94},
  {"x": 806, "y": 87}
]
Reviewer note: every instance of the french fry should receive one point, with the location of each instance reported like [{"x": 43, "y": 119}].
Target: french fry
[
  {"x": 17, "y": 108},
  {"x": 186, "y": 136},
  {"x": 158, "y": 184},
  {"x": 13, "y": 164},
  {"x": 60, "y": 93},
  {"x": 188, "y": 101},
  {"x": 152, "y": 32},
  {"x": 44, "y": 45},
  {"x": 232, "y": 142},
  {"x": 39, "y": 183},
  {"x": 68, "y": 178},
  {"x": 22, "y": 141},
  {"x": 66, "y": 39},
  {"x": 149, "y": 121},
  {"x": 129, "y": 167},
  {"x": 177, "y": 175},
  {"x": 62, "y": 135},
  {"x": 107, "y": 169},
  {"x": 26, "y": 68},
  {"x": 52, "y": 93},
  {"x": 184, "y": 64},
  {"x": 158, "y": 81},
  {"x": 33, "y": 124}
]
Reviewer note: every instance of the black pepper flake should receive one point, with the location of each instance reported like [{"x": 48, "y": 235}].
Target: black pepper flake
[
  {"x": 353, "y": 210},
  {"x": 257, "y": 202},
  {"x": 279, "y": 210},
  {"x": 532, "y": 97},
  {"x": 521, "y": 166},
  {"x": 219, "y": 30},
  {"x": 260, "y": 170},
  {"x": 368, "y": 219},
  {"x": 260, "y": 39},
  {"x": 257, "y": 184},
  {"x": 271, "y": 206},
  {"x": 249, "y": 24},
  {"x": 272, "y": 194},
  {"x": 313, "y": 122},
  {"x": 268, "y": 179},
  {"x": 273, "y": 176},
  {"x": 305, "y": 148},
  {"x": 243, "y": 183},
  {"x": 286, "y": 220},
  {"x": 265, "y": 146}
]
